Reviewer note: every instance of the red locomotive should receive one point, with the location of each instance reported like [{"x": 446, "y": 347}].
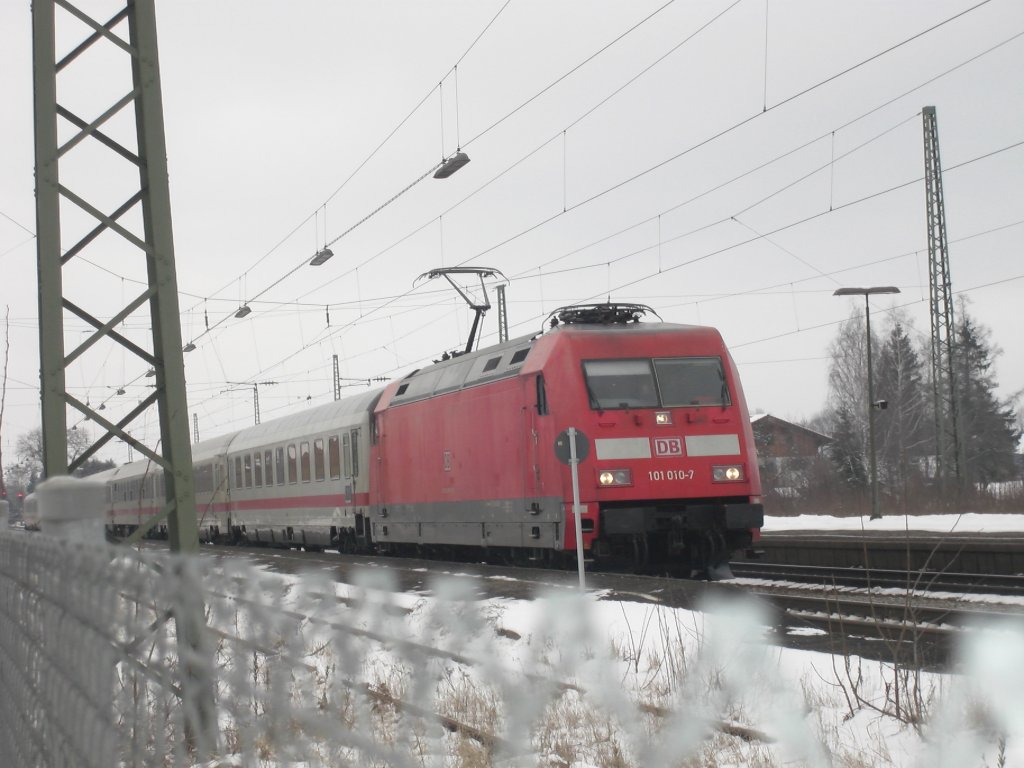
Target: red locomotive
[{"x": 459, "y": 457}]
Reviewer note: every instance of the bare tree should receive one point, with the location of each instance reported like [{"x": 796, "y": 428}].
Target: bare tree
[
  {"x": 847, "y": 377},
  {"x": 30, "y": 446}
]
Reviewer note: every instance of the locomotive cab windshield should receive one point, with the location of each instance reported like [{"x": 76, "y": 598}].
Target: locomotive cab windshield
[{"x": 667, "y": 382}]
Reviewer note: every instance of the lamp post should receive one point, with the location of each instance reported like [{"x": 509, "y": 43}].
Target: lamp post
[{"x": 876, "y": 513}]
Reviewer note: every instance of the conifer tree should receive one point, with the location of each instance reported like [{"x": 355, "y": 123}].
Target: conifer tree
[
  {"x": 989, "y": 426},
  {"x": 903, "y": 427},
  {"x": 846, "y": 450}
]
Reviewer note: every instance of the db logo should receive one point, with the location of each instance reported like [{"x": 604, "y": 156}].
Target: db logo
[{"x": 668, "y": 446}]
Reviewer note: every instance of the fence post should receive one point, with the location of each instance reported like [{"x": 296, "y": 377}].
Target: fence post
[{"x": 71, "y": 508}]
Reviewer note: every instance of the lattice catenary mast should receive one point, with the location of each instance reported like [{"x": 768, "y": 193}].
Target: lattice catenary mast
[
  {"x": 141, "y": 225},
  {"x": 948, "y": 446}
]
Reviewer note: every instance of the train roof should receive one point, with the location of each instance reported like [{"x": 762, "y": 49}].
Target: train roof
[
  {"x": 144, "y": 466},
  {"x": 488, "y": 364},
  {"x": 215, "y": 446},
  {"x": 586, "y": 328},
  {"x": 508, "y": 358},
  {"x": 321, "y": 418}
]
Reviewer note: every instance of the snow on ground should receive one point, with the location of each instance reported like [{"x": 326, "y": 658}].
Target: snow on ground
[
  {"x": 703, "y": 668},
  {"x": 968, "y": 522},
  {"x": 719, "y": 665}
]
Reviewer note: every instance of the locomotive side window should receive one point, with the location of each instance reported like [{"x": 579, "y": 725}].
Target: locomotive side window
[
  {"x": 348, "y": 455},
  {"x": 692, "y": 381},
  {"x": 615, "y": 384},
  {"x": 334, "y": 457},
  {"x": 238, "y": 471},
  {"x": 268, "y": 466},
  {"x": 279, "y": 465},
  {"x": 304, "y": 461},
  {"x": 318, "y": 458},
  {"x": 257, "y": 469},
  {"x": 293, "y": 465},
  {"x": 492, "y": 364},
  {"x": 519, "y": 356}
]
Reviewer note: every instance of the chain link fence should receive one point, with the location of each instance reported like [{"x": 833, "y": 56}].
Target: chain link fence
[{"x": 112, "y": 657}]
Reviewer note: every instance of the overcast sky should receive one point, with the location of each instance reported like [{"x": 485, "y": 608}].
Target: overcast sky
[{"x": 728, "y": 163}]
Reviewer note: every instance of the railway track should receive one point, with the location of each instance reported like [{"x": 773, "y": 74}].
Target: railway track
[
  {"x": 819, "y": 613},
  {"x": 915, "y": 627},
  {"x": 917, "y": 581}
]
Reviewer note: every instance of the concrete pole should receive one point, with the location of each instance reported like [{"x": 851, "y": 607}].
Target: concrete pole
[
  {"x": 574, "y": 463},
  {"x": 876, "y": 513}
]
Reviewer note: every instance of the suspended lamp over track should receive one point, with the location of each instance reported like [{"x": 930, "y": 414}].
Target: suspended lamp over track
[
  {"x": 189, "y": 347},
  {"x": 451, "y": 165},
  {"x": 243, "y": 310},
  {"x": 321, "y": 256}
]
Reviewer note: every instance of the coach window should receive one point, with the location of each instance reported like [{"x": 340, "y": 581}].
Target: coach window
[
  {"x": 304, "y": 461},
  {"x": 279, "y": 465},
  {"x": 318, "y": 459},
  {"x": 355, "y": 453},
  {"x": 204, "y": 478},
  {"x": 257, "y": 469},
  {"x": 334, "y": 457},
  {"x": 247, "y": 462},
  {"x": 293, "y": 465},
  {"x": 238, "y": 471},
  {"x": 348, "y": 454},
  {"x": 268, "y": 467}
]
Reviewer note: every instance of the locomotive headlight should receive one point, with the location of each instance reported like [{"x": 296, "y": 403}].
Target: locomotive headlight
[
  {"x": 732, "y": 473},
  {"x": 663, "y": 418},
  {"x": 608, "y": 478}
]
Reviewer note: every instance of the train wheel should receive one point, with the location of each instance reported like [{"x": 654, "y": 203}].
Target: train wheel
[
  {"x": 641, "y": 553},
  {"x": 714, "y": 557},
  {"x": 348, "y": 543}
]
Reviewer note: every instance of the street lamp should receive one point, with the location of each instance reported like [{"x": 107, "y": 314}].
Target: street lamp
[{"x": 876, "y": 514}]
